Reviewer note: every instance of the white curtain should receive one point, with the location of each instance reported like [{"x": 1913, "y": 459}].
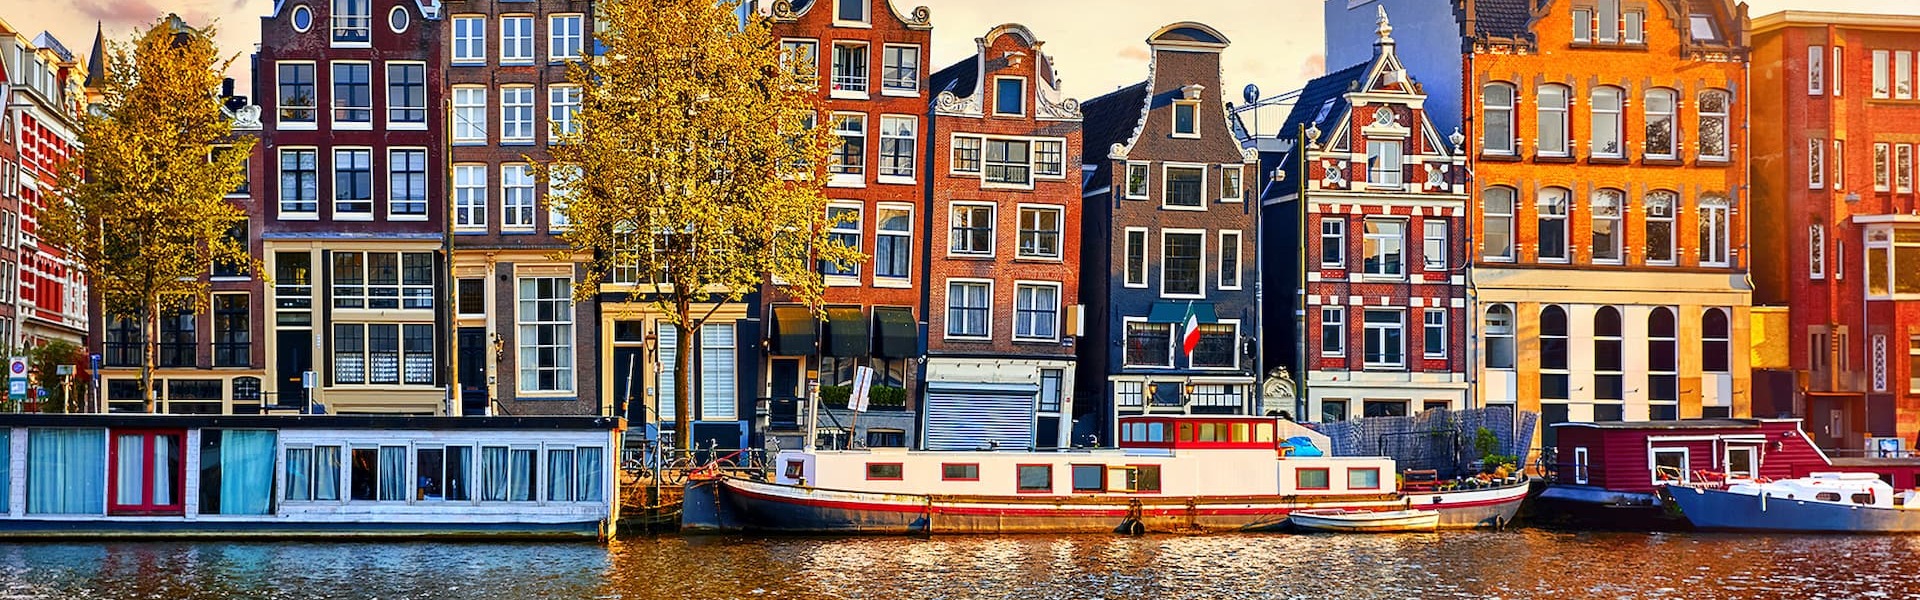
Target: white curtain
[
  {"x": 326, "y": 473},
  {"x": 560, "y": 475},
  {"x": 494, "y": 460},
  {"x": 299, "y": 474},
  {"x": 64, "y": 471},
  {"x": 246, "y": 472},
  {"x": 588, "y": 477},
  {"x": 166, "y": 468},
  {"x": 393, "y": 474},
  {"x": 129, "y": 469},
  {"x": 521, "y": 489}
]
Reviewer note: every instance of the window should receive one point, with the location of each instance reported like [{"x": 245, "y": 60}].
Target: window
[
  {"x": 1608, "y": 355},
  {"x": 1660, "y": 109},
  {"x": 884, "y": 471},
  {"x": 1333, "y": 242},
  {"x": 1714, "y": 107},
  {"x": 352, "y": 21},
  {"x": 893, "y": 241},
  {"x": 1384, "y": 248},
  {"x": 719, "y": 355},
  {"x": 1050, "y": 158},
  {"x": 470, "y": 196},
  {"x": 851, "y": 157},
  {"x": 1229, "y": 261},
  {"x": 1816, "y": 76},
  {"x": 803, "y": 58},
  {"x": 1333, "y": 331},
  {"x": 1903, "y": 168},
  {"x": 897, "y": 146},
  {"x": 1816, "y": 163},
  {"x": 122, "y": 347},
  {"x": 850, "y": 10},
  {"x": 1050, "y": 389},
  {"x": 1383, "y": 164},
  {"x": 516, "y": 197},
  {"x": 959, "y": 472},
  {"x": 469, "y": 40},
  {"x": 1434, "y": 335},
  {"x": 1669, "y": 465},
  {"x": 849, "y": 70},
  {"x": 546, "y": 334},
  {"x": 1385, "y": 347},
  {"x": 1882, "y": 80},
  {"x": 1034, "y": 479},
  {"x": 177, "y": 340},
  {"x": 1903, "y": 75},
  {"x": 1433, "y": 243},
  {"x": 407, "y": 93},
  {"x": 1580, "y": 465},
  {"x": 972, "y": 230},
  {"x": 1553, "y": 353},
  {"x": 1089, "y": 478},
  {"x": 1181, "y": 255},
  {"x": 382, "y": 280},
  {"x": 1607, "y": 229},
  {"x": 232, "y": 330},
  {"x": 1659, "y": 206},
  {"x": 563, "y": 101},
  {"x": 900, "y": 69},
  {"x": 352, "y": 181},
  {"x": 1497, "y": 103},
  {"x": 516, "y": 40},
  {"x": 1499, "y": 333},
  {"x": 148, "y": 474},
  {"x": 1913, "y": 363},
  {"x": 1008, "y": 162},
  {"x": 471, "y": 297},
  {"x": 1497, "y": 204},
  {"x": 407, "y": 181},
  {"x": 507, "y": 474},
  {"x": 1137, "y": 180},
  {"x": 297, "y": 99},
  {"x": 1839, "y": 164},
  {"x": 1036, "y": 311},
  {"x": 1816, "y": 251},
  {"x": 1663, "y": 362},
  {"x": 1136, "y": 259},
  {"x": 1310, "y": 479},
  {"x": 969, "y": 309},
  {"x": 1149, "y": 344},
  {"x": 1606, "y": 122},
  {"x": 1186, "y": 119},
  {"x": 1713, "y": 230},
  {"x": 299, "y": 181},
  {"x": 1363, "y": 479},
  {"x": 1552, "y": 107},
  {"x": 313, "y": 474},
  {"x": 378, "y": 474},
  {"x": 564, "y": 37},
  {"x": 844, "y": 229},
  {"x": 352, "y": 93},
  {"x": 1583, "y": 25},
  {"x": 469, "y": 114},
  {"x": 1185, "y": 187},
  {"x": 1552, "y": 208},
  {"x": 1217, "y": 349},
  {"x": 1882, "y": 169},
  {"x": 1636, "y": 25},
  {"x": 1039, "y": 232},
  {"x": 966, "y": 154},
  {"x": 1009, "y": 96},
  {"x": 516, "y": 114},
  {"x": 1715, "y": 349}
]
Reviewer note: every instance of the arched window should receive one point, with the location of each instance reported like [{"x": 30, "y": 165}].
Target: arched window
[
  {"x": 1499, "y": 337},
  {"x": 1713, "y": 230},
  {"x": 1660, "y": 108},
  {"x": 1714, "y": 107},
  {"x": 1497, "y": 132},
  {"x": 1552, "y": 207},
  {"x": 1496, "y": 226},
  {"x": 1663, "y": 356},
  {"x": 1605, "y": 112},
  {"x": 1552, "y": 106},
  {"x": 1714, "y": 347},
  {"x": 1607, "y": 232},
  {"x": 1553, "y": 353},
  {"x": 1608, "y": 355},
  {"x": 1659, "y": 206}
]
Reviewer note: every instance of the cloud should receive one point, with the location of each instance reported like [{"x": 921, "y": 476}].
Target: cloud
[
  {"x": 120, "y": 12},
  {"x": 1315, "y": 65}
]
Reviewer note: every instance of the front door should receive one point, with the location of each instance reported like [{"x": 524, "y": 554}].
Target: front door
[
  {"x": 629, "y": 384},
  {"x": 473, "y": 370},
  {"x": 295, "y": 347}
]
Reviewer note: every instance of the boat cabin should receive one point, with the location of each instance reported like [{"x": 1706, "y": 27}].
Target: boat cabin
[
  {"x": 1859, "y": 489},
  {"x": 1216, "y": 432},
  {"x": 1636, "y": 457},
  {"x": 67, "y": 475}
]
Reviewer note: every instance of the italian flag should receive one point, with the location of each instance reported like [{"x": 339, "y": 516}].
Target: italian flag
[{"x": 1192, "y": 338}]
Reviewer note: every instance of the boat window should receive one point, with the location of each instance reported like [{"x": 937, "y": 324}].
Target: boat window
[
  {"x": 1580, "y": 465},
  {"x": 1827, "y": 496},
  {"x": 1035, "y": 479},
  {"x": 1670, "y": 465},
  {"x": 1089, "y": 478},
  {"x": 459, "y": 474},
  {"x": 236, "y": 471},
  {"x": 589, "y": 478},
  {"x": 1310, "y": 479},
  {"x": 148, "y": 472},
  {"x": 1146, "y": 478},
  {"x": 1207, "y": 432},
  {"x": 1740, "y": 463},
  {"x": 1863, "y": 498},
  {"x": 63, "y": 471},
  {"x": 1241, "y": 432},
  {"x": 507, "y": 474},
  {"x": 883, "y": 471},
  {"x": 1363, "y": 479},
  {"x": 313, "y": 474},
  {"x": 959, "y": 472},
  {"x": 561, "y": 476},
  {"x": 1186, "y": 432},
  {"x": 378, "y": 474},
  {"x": 796, "y": 469},
  {"x": 1156, "y": 432},
  {"x": 1136, "y": 432},
  {"x": 430, "y": 467},
  {"x": 1263, "y": 433}
]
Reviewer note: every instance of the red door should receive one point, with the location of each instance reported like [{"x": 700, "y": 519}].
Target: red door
[{"x": 145, "y": 473}]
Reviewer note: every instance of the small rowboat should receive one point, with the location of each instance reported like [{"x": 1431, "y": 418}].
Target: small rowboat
[{"x": 1365, "y": 521}]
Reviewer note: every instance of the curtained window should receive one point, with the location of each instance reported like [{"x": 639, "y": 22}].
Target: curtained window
[{"x": 64, "y": 471}]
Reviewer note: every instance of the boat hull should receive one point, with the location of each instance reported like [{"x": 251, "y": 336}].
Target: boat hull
[
  {"x": 1723, "y": 510},
  {"x": 1364, "y": 522},
  {"x": 773, "y": 507},
  {"x": 173, "y": 528}
]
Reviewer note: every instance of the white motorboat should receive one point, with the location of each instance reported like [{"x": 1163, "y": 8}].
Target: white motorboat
[{"x": 1365, "y": 521}]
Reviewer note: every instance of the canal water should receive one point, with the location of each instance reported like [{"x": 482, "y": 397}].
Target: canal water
[{"x": 1514, "y": 564}]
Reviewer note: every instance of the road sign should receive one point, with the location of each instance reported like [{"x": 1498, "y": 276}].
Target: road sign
[
  {"x": 63, "y": 370},
  {"x": 309, "y": 380},
  {"x": 17, "y": 366},
  {"x": 862, "y": 382},
  {"x": 17, "y": 389}
]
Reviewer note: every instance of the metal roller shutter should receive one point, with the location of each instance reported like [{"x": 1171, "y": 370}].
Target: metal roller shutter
[{"x": 976, "y": 416}]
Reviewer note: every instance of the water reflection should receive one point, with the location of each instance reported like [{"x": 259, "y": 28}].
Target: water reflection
[{"x": 1523, "y": 564}]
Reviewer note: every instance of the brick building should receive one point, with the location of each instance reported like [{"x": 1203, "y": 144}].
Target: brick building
[
  {"x": 1168, "y": 238},
  {"x": 1004, "y": 259},
  {"x": 48, "y": 296},
  {"x": 1383, "y": 272},
  {"x": 1834, "y": 192},
  {"x": 523, "y": 346},
  {"x": 353, "y": 204},
  {"x": 869, "y": 60}
]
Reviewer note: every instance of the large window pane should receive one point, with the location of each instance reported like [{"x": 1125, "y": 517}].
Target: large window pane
[{"x": 65, "y": 470}]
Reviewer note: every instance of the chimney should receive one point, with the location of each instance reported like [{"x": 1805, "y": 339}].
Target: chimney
[{"x": 226, "y": 87}]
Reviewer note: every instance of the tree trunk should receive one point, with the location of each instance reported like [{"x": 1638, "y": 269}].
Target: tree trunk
[
  {"x": 682, "y": 410},
  {"x": 149, "y": 344}
]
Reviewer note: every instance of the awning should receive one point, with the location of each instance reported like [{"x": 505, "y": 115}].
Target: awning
[
  {"x": 794, "y": 332},
  {"x": 895, "y": 333},
  {"x": 1168, "y": 311},
  {"x": 846, "y": 332}
]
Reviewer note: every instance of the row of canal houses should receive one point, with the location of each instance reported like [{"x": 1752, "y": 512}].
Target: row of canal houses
[{"x": 1484, "y": 202}]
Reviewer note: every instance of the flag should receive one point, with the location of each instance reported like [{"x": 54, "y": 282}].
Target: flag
[{"x": 1192, "y": 337}]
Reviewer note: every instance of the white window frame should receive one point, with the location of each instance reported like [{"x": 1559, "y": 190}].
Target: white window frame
[
  {"x": 1838, "y": 59},
  {"x": 1371, "y": 240},
  {"x": 1337, "y": 231},
  {"x": 1236, "y": 350},
  {"x": 563, "y": 102},
  {"x": 1166, "y": 183},
  {"x": 857, "y": 230},
  {"x": 887, "y": 87},
  {"x": 313, "y": 109},
  {"x": 335, "y": 18},
  {"x": 1726, "y": 124},
  {"x": 1428, "y": 324},
  {"x": 1239, "y": 257},
  {"x": 1433, "y": 244},
  {"x": 386, "y": 93},
  {"x": 1367, "y": 330},
  {"x": 1033, "y": 152},
  {"x": 857, "y": 178},
  {"x": 1173, "y": 119},
  {"x": 333, "y": 79},
  {"x": 462, "y": 134},
  {"x": 1489, "y": 142},
  {"x": 1838, "y": 165},
  {"x": 563, "y": 45},
  {"x": 1635, "y": 23},
  {"x": 1619, "y": 209},
  {"x": 905, "y": 241},
  {"x": 993, "y": 237},
  {"x": 1580, "y": 462},
  {"x": 1717, "y": 253},
  {"x": 1565, "y": 218},
  {"x": 1511, "y": 216},
  {"x": 1339, "y": 323},
  {"x": 470, "y": 197},
  {"x": 469, "y": 40},
  {"x": 995, "y": 109},
  {"x": 1882, "y": 75},
  {"x": 1019, "y": 321},
  {"x": 1753, "y": 462},
  {"x": 1816, "y": 163},
  {"x": 1607, "y": 21},
  {"x": 509, "y": 54},
  {"x": 334, "y": 171},
  {"x": 1200, "y": 275},
  {"x": 508, "y": 205},
  {"x": 967, "y": 142},
  {"x": 526, "y": 338},
  {"x": 1903, "y": 168},
  {"x": 558, "y": 176},
  {"x": 1146, "y": 181},
  {"x": 1390, "y": 174},
  {"x": 1619, "y": 122},
  {"x": 1653, "y": 471},
  {"x": 1059, "y": 232},
  {"x": 513, "y": 130},
  {"x": 1903, "y": 75},
  {"x": 866, "y": 11},
  {"x": 913, "y": 148},
  {"x": 1232, "y": 180},
  {"x": 947, "y": 331},
  {"x": 1882, "y": 167},
  {"x": 279, "y": 171},
  {"x": 1583, "y": 25},
  {"x": 792, "y": 48},
  {"x": 854, "y": 87},
  {"x": 426, "y": 184},
  {"x": 1548, "y": 112},
  {"x": 1173, "y": 336},
  {"x": 1816, "y": 70},
  {"x": 1146, "y": 254},
  {"x": 1672, "y": 116}
]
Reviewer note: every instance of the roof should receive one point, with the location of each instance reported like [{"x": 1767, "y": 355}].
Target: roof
[
  {"x": 1816, "y": 18},
  {"x": 1682, "y": 424},
  {"x": 47, "y": 41},
  {"x": 97, "y": 58},
  {"x": 1107, "y": 120},
  {"x": 959, "y": 78},
  {"x": 1502, "y": 18},
  {"x": 1323, "y": 100},
  {"x": 1873, "y": 462}
]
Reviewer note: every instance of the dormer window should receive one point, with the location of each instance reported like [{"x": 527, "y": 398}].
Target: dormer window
[
  {"x": 1009, "y": 96},
  {"x": 850, "y": 11},
  {"x": 1186, "y": 119},
  {"x": 1702, "y": 28},
  {"x": 352, "y": 21}
]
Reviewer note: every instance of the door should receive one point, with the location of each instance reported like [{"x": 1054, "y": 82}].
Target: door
[
  {"x": 295, "y": 347},
  {"x": 629, "y": 384},
  {"x": 148, "y": 473},
  {"x": 473, "y": 370}
]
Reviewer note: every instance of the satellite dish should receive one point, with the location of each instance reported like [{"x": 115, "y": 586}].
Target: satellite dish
[{"x": 1251, "y": 93}]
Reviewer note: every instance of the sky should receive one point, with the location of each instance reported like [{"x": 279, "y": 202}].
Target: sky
[{"x": 1098, "y": 45}]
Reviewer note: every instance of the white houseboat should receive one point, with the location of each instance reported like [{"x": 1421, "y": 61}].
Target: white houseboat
[
  {"x": 1169, "y": 473},
  {"x": 307, "y": 476}
]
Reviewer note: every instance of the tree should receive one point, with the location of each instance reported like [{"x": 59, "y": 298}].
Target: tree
[
  {"x": 62, "y": 390},
  {"x": 142, "y": 209},
  {"x": 695, "y": 165}
]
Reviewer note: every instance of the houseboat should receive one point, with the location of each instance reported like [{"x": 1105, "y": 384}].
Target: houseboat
[
  {"x": 1822, "y": 502},
  {"x": 1609, "y": 474},
  {"x": 1168, "y": 474},
  {"x": 307, "y": 476}
]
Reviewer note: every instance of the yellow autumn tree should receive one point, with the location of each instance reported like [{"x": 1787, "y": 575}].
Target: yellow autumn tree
[
  {"x": 142, "y": 209},
  {"x": 695, "y": 168}
]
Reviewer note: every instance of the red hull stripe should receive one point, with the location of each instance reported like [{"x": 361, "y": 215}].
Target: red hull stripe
[{"x": 916, "y": 509}]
